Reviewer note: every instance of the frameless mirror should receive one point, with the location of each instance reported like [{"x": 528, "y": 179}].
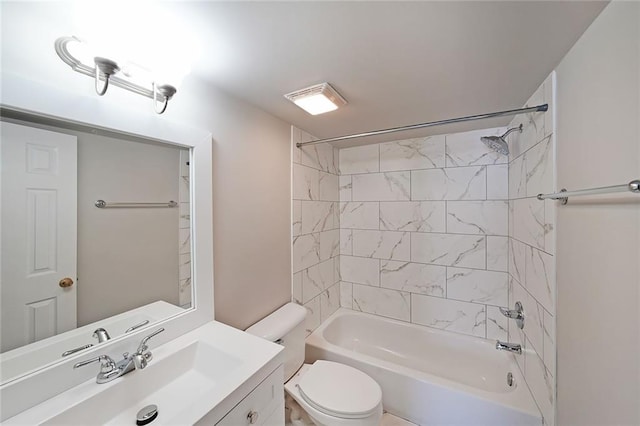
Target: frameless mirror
[{"x": 96, "y": 239}]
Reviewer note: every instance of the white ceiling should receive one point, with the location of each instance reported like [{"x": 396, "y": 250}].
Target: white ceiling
[{"x": 396, "y": 63}]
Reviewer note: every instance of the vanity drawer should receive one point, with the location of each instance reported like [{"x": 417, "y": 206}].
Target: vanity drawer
[{"x": 257, "y": 407}]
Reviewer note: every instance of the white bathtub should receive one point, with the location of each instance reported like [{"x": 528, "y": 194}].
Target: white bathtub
[{"x": 428, "y": 376}]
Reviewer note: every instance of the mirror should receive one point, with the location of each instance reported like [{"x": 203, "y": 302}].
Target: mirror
[{"x": 96, "y": 240}]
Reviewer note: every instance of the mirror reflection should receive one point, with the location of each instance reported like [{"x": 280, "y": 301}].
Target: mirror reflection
[{"x": 96, "y": 240}]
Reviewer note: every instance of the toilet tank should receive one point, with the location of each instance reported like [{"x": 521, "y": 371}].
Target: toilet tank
[{"x": 285, "y": 327}]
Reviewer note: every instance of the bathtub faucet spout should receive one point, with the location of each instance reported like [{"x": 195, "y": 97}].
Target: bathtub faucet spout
[{"x": 509, "y": 347}]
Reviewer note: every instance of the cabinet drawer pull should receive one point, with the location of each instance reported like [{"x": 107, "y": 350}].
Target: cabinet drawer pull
[{"x": 252, "y": 417}]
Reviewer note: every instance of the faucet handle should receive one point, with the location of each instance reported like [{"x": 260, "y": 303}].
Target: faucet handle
[
  {"x": 516, "y": 314},
  {"x": 107, "y": 363},
  {"x": 143, "y": 344}
]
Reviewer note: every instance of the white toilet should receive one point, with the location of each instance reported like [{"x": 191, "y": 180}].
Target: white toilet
[{"x": 332, "y": 394}]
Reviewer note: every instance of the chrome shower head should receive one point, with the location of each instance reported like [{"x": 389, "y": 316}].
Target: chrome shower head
[{"x": 498, "y": 143}]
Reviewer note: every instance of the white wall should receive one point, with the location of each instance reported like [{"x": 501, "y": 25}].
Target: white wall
[
  {"x": 598, "y": 238},
  {"x": 251, "y": 160}
]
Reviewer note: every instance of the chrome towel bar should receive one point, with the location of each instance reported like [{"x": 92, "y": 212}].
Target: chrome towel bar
[
  {"x": 101, "y": 204},
  {"x": 563, "y": 195}
]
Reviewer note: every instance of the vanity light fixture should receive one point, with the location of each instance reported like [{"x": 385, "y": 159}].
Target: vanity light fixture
[
  {"x": 107, "y": 72},
  {"x": 317, "y": 99}
]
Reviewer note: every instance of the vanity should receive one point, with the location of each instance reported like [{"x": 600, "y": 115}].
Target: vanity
[{"x": 197, "y": 370}]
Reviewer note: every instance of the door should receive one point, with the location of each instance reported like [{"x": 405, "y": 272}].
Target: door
[{"x": 38, "y": 230}]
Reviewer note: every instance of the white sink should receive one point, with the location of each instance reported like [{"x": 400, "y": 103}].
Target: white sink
[{"x": 187, "y": 378}]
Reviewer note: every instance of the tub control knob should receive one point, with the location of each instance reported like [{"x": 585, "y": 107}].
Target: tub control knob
[{"x": 252, "y": 417}]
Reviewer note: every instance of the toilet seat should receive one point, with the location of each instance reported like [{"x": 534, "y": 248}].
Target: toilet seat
[{"x": 340, "y": 390}]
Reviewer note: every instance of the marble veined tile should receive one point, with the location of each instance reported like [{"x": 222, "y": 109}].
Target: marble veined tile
[
  {"x": 359, "y": 215},
  {"x": 305, "y": 182},
  {"x": 498, "y": 182},
  {"x": 478, "y": 217},
  {"x": 296, "y": 217},
  {"x": 346, "y": 241},
  {"x": 539, "y": 164},
  {"x": 388, "y": 186},
  {"x": 346, "y": 295},
  {"x": 306, "y": 251},
  {"x": 518, "y": 178},
  {"x": 184, "y": 267},
  {"x": 184, "y": 212},
  {"x": 497, "y": 324},
  {"x": 451, "y": 315},
  {"x": 296, "y": 284},
  {"x": 344, "y": 183},
  {"x": 329, "y": 301},
  {"x": 328, "y": 187},
  {"x": 461, "y": 183},
  {"x": 475, "y": 285},
  {"x": 449, "y": 250},
  {"x": 316, "y": 216},
  {"x": 317, "y": 279},
  {"x": 541, "y": 385},
  {"x": 381, "y": 244},
  {"x": 498, "y": 253},
  {"x": 313, "y": 319},
  {"x": 550, "y": 210},
  {"x": 417, "y": 216},
  {"x": 540, "y": 277},
  {"x": 534, "y": 316},
  {"x": 319, "y": 156},
  {"x": 466, "y": 149},
  {"x": 528, "y": 222},
  {"x": 411, "y": 154},
  {"x": 329, "y": 244},
  {"x": 517, "y": 256},
  {"x": 549, "y": 342},
  {"x": 360, "y": 159},
  {"x": 413, "y": 277},
  {"x": 361, "y": 270},
  {"x": 380, "y": 301},
  {"x": 184, "y": 239}
]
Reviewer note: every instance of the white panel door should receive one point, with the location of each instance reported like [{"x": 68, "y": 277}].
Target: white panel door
[{"x": 38, "y": 231}]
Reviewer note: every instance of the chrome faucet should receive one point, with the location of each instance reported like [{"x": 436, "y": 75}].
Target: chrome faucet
[
  {"x": 509, "y": 347},
  {"x": 110, "y": 370},
  {"x": 102, "y": 335}
]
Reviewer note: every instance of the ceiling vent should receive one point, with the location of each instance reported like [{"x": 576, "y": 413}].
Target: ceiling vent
[{"x": 317, "y": 99}]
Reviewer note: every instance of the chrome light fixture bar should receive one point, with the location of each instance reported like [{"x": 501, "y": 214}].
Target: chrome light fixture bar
[{"x": 105, "y": 73}]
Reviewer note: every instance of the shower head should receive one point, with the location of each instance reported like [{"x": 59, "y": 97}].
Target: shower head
[{"x": 498, "y": 143}]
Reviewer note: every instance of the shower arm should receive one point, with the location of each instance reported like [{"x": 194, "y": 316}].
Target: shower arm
[
  {"x": 513, "y": 129},
  {"x": 538, "y": 108}
]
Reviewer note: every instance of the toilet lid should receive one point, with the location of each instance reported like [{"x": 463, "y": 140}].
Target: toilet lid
[{"x": 339, "y": 390}]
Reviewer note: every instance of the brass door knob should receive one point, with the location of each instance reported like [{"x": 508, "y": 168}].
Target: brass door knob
[{"x": 65, "y": 282}]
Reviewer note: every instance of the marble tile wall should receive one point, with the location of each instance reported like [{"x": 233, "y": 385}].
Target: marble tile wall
[
  {"x": 531, "y": 246},
  {"x": 424, "y": 232},
  {"x": 315, "y": 229},
  {"x": 184, "y": 233}
]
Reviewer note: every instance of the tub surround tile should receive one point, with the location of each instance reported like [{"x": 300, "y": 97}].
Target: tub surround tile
[
  {"x": 518, "y": 178},
  {"x": 517, "y": 260},
  {"x": 497, "y": 325},
  {"x": 360, "y": 270},
  {"x": 296, "y": 284},
  {"x": 306, "y": 251},
  {"x": 463, "y": 183},
  {"x": 540, "y": 383},
  {"x": 539, "y": 176},
  {"x": 549, "y": 329},
  {"x": 313, "y": 318},
  {"x": 478, "y": 217},
  {"x": 360, "y": 159},
  {"x": 345, "y": 188},
  {"x": 296, "y": 217},
  {"x": 379, "y": 301},
  {"x": 539, "y": 277},
  {"x": 346, "y": 295},
  {"x": 184, "y": 239},
  {"x": 329, "y": 244},
  {"x": 184, "y": 266},
  {"x": 184, "y": 215},
  {"x": 388, "y": 186},
  {"x": 498, "y": 253},
  {"x": 328, "y": 187},
  {"x": 316, "y": 216},
  {"x": 478, "y": 286},
  {"x": 528, "y": 222},
  {"x": 319, "y": 156},
  {"x": 413, "y": 277},
  {"x": 305, "y": 183},
  {"x": 329, "y": 301},
  {"x": 359, "y": 215},
  {"x": 316, "y": 279},
  {"x": 498, "y": 182},
  {"x": 451, "y": 315},
  {"x": 416, "y": 216},
  {"x": 534, "y": 314},
  {"x": 550, "y": 226},
  {"x": 381, "y": 244},
  {"x": 411, "y": 154},
  {"x": 466, "y": 149},
  {"x": 346, "y": 241},
  {"x": 449, "y": 250}
]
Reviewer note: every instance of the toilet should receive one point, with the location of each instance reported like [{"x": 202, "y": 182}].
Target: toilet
[{"x": 331, "y": 394}]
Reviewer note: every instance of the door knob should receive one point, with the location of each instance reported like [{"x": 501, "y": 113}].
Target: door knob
[{"x": 65, "y": 282}]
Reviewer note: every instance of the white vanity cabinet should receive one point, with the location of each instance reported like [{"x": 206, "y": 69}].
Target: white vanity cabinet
[{"x": 264, "y": 405}]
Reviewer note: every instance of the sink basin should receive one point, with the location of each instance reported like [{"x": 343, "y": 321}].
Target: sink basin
[
  {"x": 168, "y": 383},
  {"x": 202, "y": 373}
]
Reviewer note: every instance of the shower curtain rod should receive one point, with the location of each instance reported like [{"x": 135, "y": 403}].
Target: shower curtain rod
[{"x": 539, "y": 108}]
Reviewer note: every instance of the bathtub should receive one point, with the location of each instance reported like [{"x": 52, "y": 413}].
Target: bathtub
[{"x": 428, "y": 376}]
